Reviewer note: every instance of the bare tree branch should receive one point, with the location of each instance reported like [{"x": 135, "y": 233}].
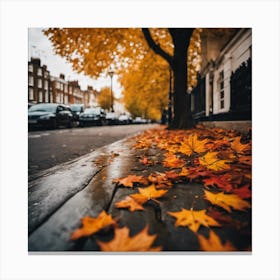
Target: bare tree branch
[{"x": 156, "y": 47}]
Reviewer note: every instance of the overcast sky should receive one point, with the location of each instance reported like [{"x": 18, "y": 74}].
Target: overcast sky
[{"x": 40, "y": 46}]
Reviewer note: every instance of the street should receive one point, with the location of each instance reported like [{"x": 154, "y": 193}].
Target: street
[{"x": 51, "y": 147}]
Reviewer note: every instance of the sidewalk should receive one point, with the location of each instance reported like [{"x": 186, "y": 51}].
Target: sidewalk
[{"x": 61, "y": 196}]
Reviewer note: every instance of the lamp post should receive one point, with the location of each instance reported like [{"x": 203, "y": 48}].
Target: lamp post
[{"x": 111, "y": 74}]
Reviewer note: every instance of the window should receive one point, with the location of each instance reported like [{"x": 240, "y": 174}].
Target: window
[
  {"x": 30, "y": 94},
  {"x": 39, "y": 72},
  {"x": 221, "y": 88},
  {"x": 46, "y": 74},
  {"x": 39, "y": 83},
  {"x": 30, "y": 67},
  {"x": 57, "y": 85},
  {"x": 70, "y": 90},
  {"x": 30, "y": 80},
  {"x": 65, "y": 88},
  {"x": 46, "y": 85},
  {"x": 46, "y": 96},
  {"x": 40, "y": 96}
]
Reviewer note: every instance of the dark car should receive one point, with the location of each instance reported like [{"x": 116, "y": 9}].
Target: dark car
[
  {"x": 77, "y": 109},
  {"x": 92, "y": 116},
  {"x": 49, "y": 115}
]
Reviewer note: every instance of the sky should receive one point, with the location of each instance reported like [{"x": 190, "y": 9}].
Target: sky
[{"x": 40, "y": 46}]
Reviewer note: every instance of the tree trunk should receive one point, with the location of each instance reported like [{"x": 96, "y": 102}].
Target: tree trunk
[
  {"x": 182, "y": 110},
  {"x": 181, "y": 40}
]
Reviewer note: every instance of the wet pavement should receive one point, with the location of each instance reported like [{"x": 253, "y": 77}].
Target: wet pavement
[{"x": 59, "y": 197}]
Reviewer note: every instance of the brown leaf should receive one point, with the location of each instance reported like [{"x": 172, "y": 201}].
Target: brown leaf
[{"x": 122, "y": 242}]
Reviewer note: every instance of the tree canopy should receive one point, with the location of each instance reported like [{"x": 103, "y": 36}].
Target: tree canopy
[{"x": 143, "y": 59}]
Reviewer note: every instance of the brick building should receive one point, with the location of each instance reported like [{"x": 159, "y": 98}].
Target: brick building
[{"x": 38, "y": 82}]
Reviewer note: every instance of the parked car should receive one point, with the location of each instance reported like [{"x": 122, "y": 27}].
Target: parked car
[
  {"x": 77, "y": 109},
  {"x": 125, "y": 119},
  {"x": 49, "y": 115},
  {"x": 92, "y": 116},
  {"x": 111, "y": 118},
  {"x": 139, "y": 120}
]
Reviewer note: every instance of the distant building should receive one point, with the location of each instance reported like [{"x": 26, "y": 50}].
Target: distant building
[
  {"x": 90, "y": 97},
  {"x": 224, "y": 87},
  {"x": 38, "y": 82},
  {"x": 77, "y": 95},
  {"x": 59, "y": 88}
]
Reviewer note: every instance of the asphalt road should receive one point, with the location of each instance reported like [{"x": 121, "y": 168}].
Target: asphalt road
[{"x": 51, "y": 147}]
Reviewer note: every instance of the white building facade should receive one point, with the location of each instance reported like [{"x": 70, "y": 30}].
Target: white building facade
[{"x": 218, "y": 73}]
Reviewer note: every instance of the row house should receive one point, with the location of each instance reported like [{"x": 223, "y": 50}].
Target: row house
[
  {"x": 38, "y": 82},
  {"x": 224, "y": 89},
  {"x": 44, "y": 88},
  {"x": 90, "y": 97},
  {"x": 76, "y": 95},
  {"x": 59, "y": 89}
]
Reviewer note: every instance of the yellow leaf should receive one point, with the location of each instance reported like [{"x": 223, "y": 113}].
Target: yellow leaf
[
  {"x": 193, "y": 145},
  {"x": 211, "y": 161},
  {"x": 122, "y": 242},
  {"x": 213, "y": 243},
  {"x": 193, "y": 219},
  {"x": 227, "y": 201}
]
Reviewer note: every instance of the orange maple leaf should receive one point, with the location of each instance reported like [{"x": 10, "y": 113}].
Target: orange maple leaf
[
  {"x": 92, "y": 225},
  {"x": 122, "y": 242},
  {"x": 213, "y": 243},
  {"x": 227, "y": 201},
  {"x": 193, "y": 145},
  {"x": 238, "y": 147},
  {"x": 130, "y": 203},
  {"x": 211, "y": 161},
  {"x": 173, "y": 161},
  {"x": 193, "y": 219},
  {"x": 160, "y": 180},
  {"x": 130, "y": 180},
  {"x": 148, "y": 193}
]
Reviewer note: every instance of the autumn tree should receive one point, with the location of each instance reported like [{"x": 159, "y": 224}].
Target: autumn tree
[
  {"x": 105, "y": 99},
  {"x": 93, "y": 50}
]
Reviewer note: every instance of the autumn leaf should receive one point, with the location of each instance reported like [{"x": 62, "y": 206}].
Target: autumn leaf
[
  {"x": 243, "y": 192},
  {"x": 213, "y": 243},
  {"x": 222, "y": 181},
  {"x": 129, "y": 203},
  {"x": 227, "y": 201},
  {"x": 173, "y": 161},
  {"x": 211, "y": 161},
  {"x": 122, "y": 242},
  {"x": 160, "y": 180},
  {"x": 245, "y": 160},
  {"x": 148, "y": 193},
  {"x": 193, "y": 219},
  {"x": 92, "y": 225},
  {"x": 238, "y": 147},
  {"x": 193, "y": 145},
  {"x": 130, "y": 180},
  {"x": 145, "y": 161}
]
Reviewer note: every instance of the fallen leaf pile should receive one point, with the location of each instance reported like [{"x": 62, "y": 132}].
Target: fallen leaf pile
[{"x": 218, "y": 160}]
